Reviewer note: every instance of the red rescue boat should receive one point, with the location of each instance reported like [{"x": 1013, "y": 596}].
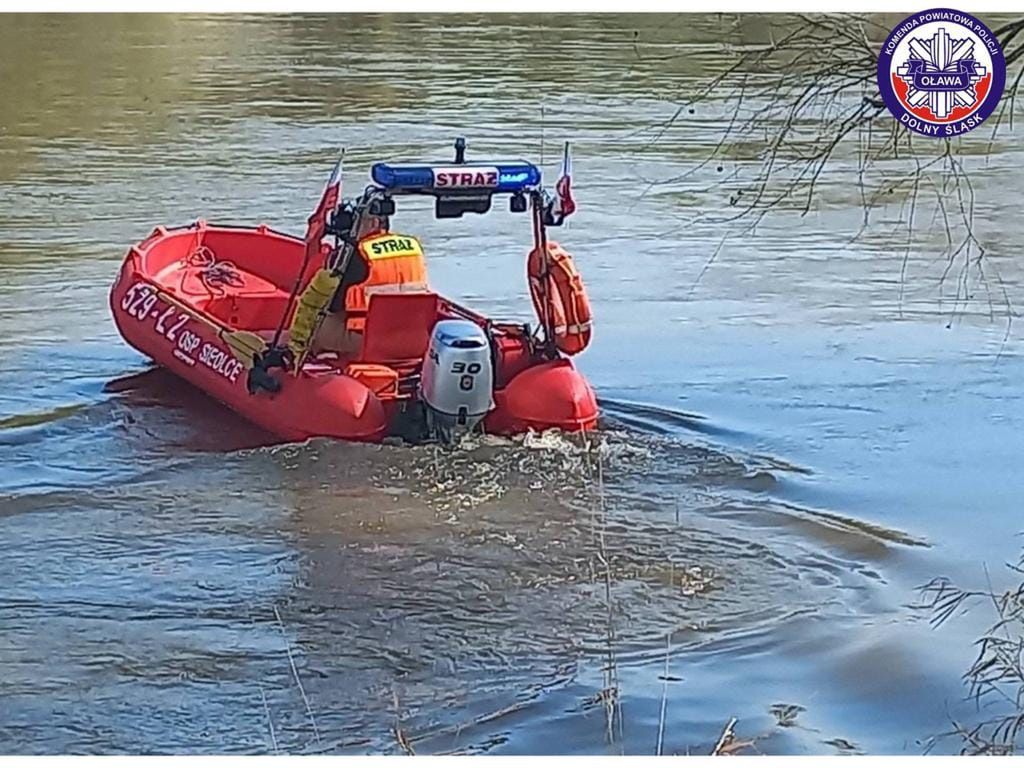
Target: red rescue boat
[{"x": 220, "y": 306}]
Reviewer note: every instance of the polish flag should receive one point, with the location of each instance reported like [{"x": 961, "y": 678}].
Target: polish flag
[
  {"x": 564, "y": 205},
  {"x": 317, "y": 222}
]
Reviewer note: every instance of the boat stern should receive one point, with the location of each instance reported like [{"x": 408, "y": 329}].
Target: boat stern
[{"x": 551, "y": 395}]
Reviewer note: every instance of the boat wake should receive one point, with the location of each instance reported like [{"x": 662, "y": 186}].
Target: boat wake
[{"x": 503, "y": 577}]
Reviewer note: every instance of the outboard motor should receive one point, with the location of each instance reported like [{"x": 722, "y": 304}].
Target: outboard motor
[{"x": 457, "y": 379}]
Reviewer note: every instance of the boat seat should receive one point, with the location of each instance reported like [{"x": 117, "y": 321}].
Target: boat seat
[{"x": 398, "y": 327}]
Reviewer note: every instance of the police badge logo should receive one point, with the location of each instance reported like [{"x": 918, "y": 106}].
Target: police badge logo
[{"x": 941, "y": 72}]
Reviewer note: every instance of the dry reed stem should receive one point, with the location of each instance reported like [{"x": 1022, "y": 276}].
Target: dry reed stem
[
  {"x": 664, "y": 694},
  {"x": 295, "y": 674},
  {"x": 610, "y": 694},
  {"x": 726, "y": 739},
  {"x": 270, "y": 720},
  {"x": 400, "y": 736}
]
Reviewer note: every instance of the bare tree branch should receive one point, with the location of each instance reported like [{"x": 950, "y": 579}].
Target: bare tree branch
[{"x": 801, "y": 112}]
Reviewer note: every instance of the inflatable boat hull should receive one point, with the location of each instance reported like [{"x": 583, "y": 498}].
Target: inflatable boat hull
[{"x": 168, "y": 305}]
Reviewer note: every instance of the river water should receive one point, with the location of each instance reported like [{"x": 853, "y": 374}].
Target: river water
[{"x": 799, "y": 431}]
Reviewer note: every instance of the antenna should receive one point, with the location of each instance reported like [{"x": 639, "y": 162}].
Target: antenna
[{"x": 542, "y": 134}]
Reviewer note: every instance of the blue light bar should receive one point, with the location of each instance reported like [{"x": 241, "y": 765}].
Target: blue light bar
[{"x": 505, "y": 177}]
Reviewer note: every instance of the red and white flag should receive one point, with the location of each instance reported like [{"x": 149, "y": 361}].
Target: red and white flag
[
  {"x": 564, "y": 205},
  {"x": 317, "y": 222}
]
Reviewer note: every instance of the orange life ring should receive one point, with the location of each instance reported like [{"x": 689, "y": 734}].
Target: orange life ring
[{"x": 560, "y": 296}]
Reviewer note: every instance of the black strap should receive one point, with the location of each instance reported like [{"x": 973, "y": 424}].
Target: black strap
[{"x": 357, "y": 271}]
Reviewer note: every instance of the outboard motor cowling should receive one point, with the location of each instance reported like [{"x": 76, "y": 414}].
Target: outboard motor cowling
[{"x": 457, "y": 382}]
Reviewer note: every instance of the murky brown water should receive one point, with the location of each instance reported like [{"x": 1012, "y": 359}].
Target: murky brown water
[{"x": 792, "y": 444}]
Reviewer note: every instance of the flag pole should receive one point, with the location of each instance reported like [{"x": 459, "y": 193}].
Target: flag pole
[{"x": 334, "y": 178}]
